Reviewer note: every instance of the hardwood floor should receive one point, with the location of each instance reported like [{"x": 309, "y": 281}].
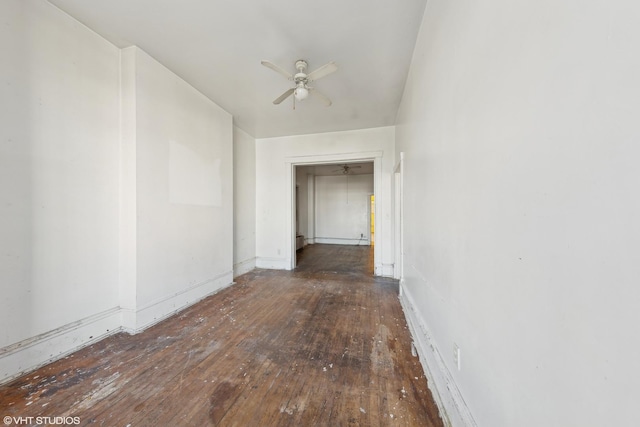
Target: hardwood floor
[{"x": 324, "y": 345}]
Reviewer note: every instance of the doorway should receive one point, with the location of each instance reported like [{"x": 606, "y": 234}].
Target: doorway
[{"x": 305, "y": 210}]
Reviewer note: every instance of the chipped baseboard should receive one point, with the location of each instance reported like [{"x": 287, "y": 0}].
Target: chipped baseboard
[
  {"x": 29, "y": 354},
  {"x": 453, "y": 409}
]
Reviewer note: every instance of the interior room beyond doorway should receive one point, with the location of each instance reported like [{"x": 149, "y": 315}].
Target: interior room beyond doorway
[{"x": 334, "y": 204}]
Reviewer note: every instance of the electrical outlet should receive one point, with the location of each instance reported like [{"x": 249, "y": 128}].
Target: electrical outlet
[{"x": 456, "y": 355}]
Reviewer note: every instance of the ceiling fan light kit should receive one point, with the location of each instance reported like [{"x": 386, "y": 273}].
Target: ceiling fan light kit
[
  {"x": 302, "y": 90},
  {"x": 301, "y": 93}
]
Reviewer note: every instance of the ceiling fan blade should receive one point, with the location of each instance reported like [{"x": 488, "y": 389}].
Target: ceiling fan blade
[
  {"x": 284, "y": 96},
  {"x": 277, "y": 69},
  {"x": 325, "y": 70},
  {"x": 325, "y": 100}
]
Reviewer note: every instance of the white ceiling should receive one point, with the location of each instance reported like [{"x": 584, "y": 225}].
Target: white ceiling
[{"x": 217, "y": 46}]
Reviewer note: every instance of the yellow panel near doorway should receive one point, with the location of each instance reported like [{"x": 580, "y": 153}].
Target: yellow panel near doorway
[{"x": 373, "y": 222}]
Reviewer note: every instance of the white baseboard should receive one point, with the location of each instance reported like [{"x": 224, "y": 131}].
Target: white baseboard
[
  {"x": 453, "y": 409},
  {"x": 244, "y": 267},
  {"x": 273, "y": 263},
  {"x": 32, "y": 353},
  {"x": 27, "y": 355},
  {"x": 162, "y": 308},
  {"x": 340, "y": 241}
]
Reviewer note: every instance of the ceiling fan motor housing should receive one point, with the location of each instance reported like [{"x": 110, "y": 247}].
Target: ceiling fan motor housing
[
  {"x": 301, "y": 65},
  {"x": 300, "y": 77},
  {"x": 301, "y": 92}
]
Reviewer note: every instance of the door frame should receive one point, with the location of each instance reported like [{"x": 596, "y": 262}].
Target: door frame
[
  {"x": 398, "y": 220},
  {"x": 339, "y": 158}
]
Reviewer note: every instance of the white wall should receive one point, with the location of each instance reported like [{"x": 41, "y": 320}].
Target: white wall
[
  {"x": 274, "y": 159},
  {"x": 59, "y": 158},
  {"x": 184, "y": 185},
  {"x": 343, "y": 209},
  {"x": 519, "y": 128},
  {"x": 116, "y": 183},
  {"x": 244, "y": 202}
]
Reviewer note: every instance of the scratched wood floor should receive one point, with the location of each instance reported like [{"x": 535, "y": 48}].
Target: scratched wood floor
[{"x": 324, "y": 345}]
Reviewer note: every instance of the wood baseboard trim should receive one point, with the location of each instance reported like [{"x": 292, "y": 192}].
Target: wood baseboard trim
[
  {"x": 162, "y": 308},
  {"x": 244, "y": 267},
  {"x": 273, "y": 263},
  {"x": 31, "y": 353},
  {"x": 342, "y": 241},
  {"x": 453, "y": 409}
]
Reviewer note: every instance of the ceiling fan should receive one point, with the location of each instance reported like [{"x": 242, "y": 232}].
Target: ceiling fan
[
  {"x": 301, "y": 80},
  {"x": 346, "y": 168}
]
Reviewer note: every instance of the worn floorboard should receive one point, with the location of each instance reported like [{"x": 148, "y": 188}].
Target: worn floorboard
[{"x": 324, "y": 345}]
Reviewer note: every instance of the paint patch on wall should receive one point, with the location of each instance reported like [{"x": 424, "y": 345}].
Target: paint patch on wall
[{"x": 193, "y": 178}]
